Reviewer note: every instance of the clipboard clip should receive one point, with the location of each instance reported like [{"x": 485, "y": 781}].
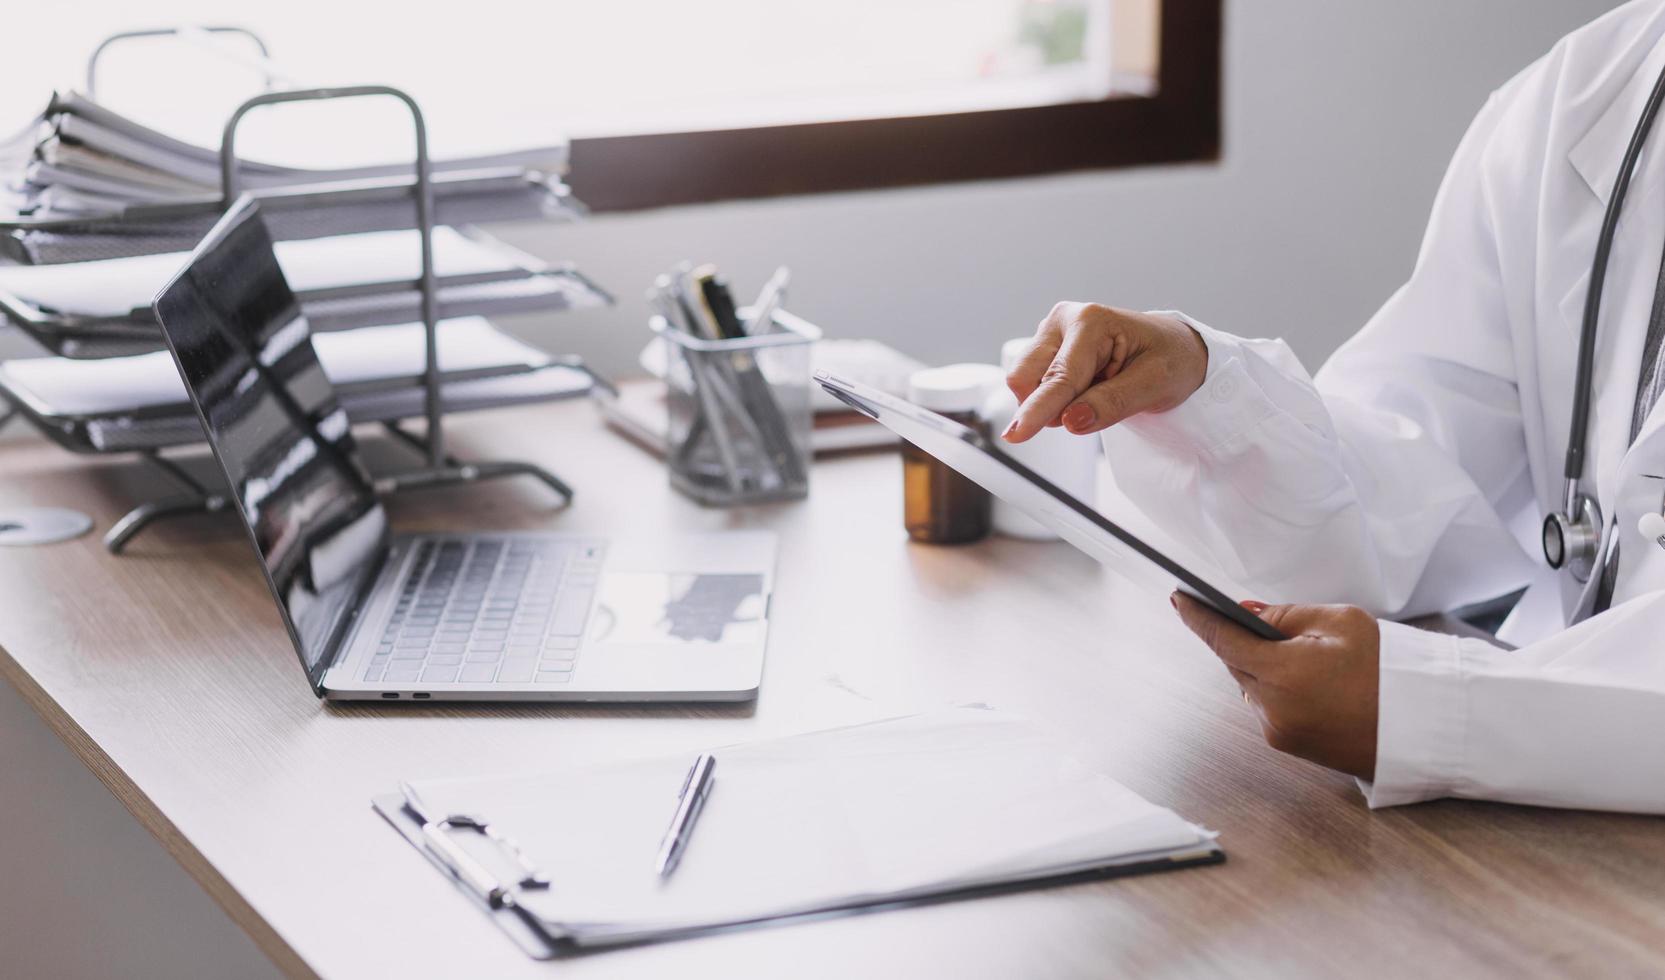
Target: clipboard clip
[{"x": 463, "y": 866}]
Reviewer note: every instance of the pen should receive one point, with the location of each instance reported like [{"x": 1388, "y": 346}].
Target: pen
[
  {"x": 713, "y": 419},
  {"x": 692, "y": 304},
  {"x": 711, "y": 390},
  {"x": 662, "y": 298},
  {"x": 768, "y": 301},
  {"x": 770, "y": 475},
  {"x": 689, "y": 803},
  {"x": 720, "y": 302},
  {"x": 752, "y": 386}
]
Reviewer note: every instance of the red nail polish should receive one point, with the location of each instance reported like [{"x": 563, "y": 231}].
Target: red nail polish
[
  {"x": 1253, "y": 605},
  {"x": 1079, "y": 416}
]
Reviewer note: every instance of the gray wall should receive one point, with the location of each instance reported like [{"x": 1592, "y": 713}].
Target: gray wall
[{"x": 1340, "y": 117}]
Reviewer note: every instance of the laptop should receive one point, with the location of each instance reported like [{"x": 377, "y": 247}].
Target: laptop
[
  {"x": 979, "y": 458},
  {"x": 466, "y": 616}
]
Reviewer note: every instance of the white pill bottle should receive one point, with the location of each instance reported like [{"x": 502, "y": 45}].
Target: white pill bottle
[{"x": 1068, "y": 460}]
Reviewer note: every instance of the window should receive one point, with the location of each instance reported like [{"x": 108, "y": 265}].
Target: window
[{"x": 670, "y": 102}]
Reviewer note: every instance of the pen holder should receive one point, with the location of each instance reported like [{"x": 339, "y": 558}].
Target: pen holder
[{"x": 739, "y": 413}]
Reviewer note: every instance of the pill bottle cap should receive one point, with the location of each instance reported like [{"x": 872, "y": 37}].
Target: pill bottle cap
[
  {"x": 954, "y": 388},
  {"x": 1012, "y": 351}
]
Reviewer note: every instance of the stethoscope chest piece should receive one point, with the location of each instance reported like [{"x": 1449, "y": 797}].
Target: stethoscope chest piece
[
  {"x": 1652, "y": 527},
  {"x": 1572, "y": 538},
  {"x": 1652, "y": 524}
]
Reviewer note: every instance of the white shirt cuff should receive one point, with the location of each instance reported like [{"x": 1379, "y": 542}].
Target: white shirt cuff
[
  {"x": 1421, "y": 717},
  {"x": 1222, "y": 411}
]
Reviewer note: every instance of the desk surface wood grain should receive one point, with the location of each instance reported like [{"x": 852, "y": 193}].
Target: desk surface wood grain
[{"x": 169, "y": 674}]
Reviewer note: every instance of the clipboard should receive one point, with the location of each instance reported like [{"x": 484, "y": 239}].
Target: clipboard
[{"x": 1131, "y": 837}]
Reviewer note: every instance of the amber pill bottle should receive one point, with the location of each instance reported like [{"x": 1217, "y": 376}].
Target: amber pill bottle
[{"x": 939, "y": 506}]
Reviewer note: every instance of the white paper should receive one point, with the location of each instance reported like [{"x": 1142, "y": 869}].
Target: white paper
[
  {"x": 870, "y": 362},
  {"x": 56, "y": 386},
  {"x": 902, "y": 808},
  {"x": 311, "y": 143},
  {"x": 118, "y": 287}
]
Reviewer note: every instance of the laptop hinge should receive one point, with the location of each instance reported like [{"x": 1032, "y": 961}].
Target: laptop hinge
[{"x": 346, "y": 628}]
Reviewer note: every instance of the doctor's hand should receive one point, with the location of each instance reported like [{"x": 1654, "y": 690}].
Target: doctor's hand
[
  {"x": 1092, "y": 366},
  {"x": 1316, "y": 692}
]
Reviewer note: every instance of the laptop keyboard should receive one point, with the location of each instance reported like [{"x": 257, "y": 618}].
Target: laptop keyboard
[{"x": 489, "y": 612}]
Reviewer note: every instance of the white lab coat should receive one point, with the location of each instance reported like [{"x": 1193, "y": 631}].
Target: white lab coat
[{"x": 1411, "y": 475}]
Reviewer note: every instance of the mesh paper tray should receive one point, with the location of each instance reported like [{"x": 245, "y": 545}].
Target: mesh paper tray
[{"x": 170, "y": 430}]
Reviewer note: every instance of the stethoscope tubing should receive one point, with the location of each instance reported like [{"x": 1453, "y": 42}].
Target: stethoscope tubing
[
  {"x": 1576, "y": 522},
  {"x": 1578, "y": 436}
]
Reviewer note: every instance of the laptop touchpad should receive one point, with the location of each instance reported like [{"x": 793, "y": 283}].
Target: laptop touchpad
[{"x": 693, "y": 610}]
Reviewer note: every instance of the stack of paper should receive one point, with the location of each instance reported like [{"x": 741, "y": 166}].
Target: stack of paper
[
  {"x": 928, "y": 807},
  {"x": 871, "y": 362},
  {"x": 292, "y": 213},
  {"x": 640, "y": 411},
  {"x": 139, "y": 402},
  {"x": 83, "y": 158},
  {"x": 84, "y": 182},
  {"x": 102, "y": 309}
]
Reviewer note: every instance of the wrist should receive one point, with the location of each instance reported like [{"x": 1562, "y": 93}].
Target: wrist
[
  {"x": 1199, "y": 348},
  {"x": 1229, "y": 403},
  {"x": 1191, "y": 349}
]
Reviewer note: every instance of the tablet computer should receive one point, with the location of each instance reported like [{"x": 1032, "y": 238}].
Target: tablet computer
[{"x": 980, "y": 459}]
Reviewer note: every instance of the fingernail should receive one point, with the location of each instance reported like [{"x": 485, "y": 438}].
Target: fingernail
[
  {"x": 1010, "y": 428},
  {"x": 1079, "y": 416},
  {"x": 1172, "y": 601},
  {"x": 1253, "y": 605}
]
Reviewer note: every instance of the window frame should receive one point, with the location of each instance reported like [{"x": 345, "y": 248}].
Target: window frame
[{"x": 1181, "y": 122}]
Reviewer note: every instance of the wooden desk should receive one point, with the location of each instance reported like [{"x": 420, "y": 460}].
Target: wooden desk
[{"x": 168, "y": 673}]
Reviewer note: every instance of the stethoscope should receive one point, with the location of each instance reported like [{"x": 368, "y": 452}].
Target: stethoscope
[{"x": 1575, "y": 538}]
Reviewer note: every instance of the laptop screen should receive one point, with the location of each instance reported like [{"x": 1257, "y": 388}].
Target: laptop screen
[{"x": 245, "y": 353}]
